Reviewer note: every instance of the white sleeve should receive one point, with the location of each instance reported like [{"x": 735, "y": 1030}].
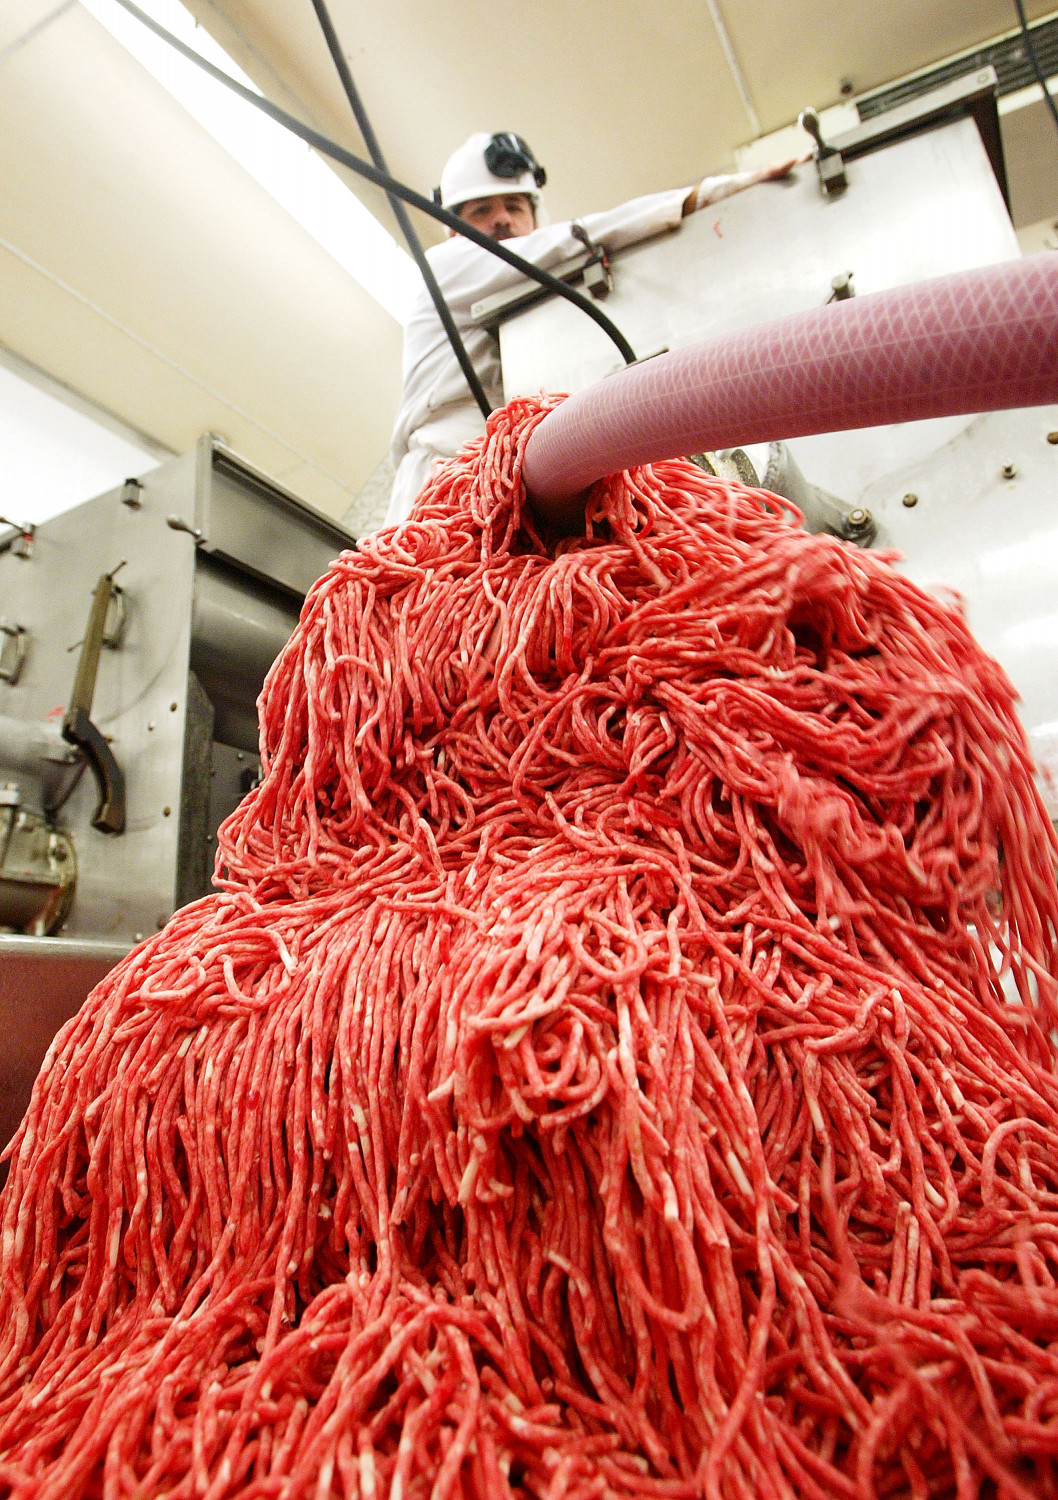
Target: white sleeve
[{"x": 466, "y": 273}]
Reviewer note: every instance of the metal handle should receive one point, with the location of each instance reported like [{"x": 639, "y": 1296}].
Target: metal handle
[
  {"x": 808, "y": 120},
  {"x": 12, "y": 650},
  {"x": 77, "y": 726}
]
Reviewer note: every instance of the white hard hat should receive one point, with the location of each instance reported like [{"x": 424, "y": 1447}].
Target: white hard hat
[{"x": 486, "y": 165}]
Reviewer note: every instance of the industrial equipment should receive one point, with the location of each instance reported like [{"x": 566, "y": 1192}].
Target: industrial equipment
[
  {"x": 135, "y": 635},
  {"x": 136, "y": 630},
  {"x": 970, "y": 502}
]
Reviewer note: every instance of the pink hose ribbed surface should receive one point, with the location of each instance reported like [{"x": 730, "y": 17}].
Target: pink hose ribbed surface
[{"x": 982, "y": 340}]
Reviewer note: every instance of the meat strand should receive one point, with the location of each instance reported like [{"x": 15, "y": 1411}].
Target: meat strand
[{"x": 617, "y": 1060}]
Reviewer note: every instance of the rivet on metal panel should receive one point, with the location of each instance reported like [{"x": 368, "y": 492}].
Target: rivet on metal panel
[
  {"x": 166, "y": 811},
  {"x": 1009, "y": 471},
  {"x": 173, "y": 707},
  {"x": 150, "y": 724},
  {"x": 1052, "y": 437},
  {"x": 910, "y": 500}
]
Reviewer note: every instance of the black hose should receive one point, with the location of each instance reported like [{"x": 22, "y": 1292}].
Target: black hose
[
  {"x": 390, "y": 185},
  {"x": 1048, "y": 97},
  {"x": 400, "y": 213}
]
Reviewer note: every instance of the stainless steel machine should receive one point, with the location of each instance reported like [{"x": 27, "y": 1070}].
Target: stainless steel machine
[
  {"x": 970, "y": 502},
  {"x": 135, "y": 634}
]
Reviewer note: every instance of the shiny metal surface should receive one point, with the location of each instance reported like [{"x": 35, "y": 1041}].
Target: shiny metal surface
[
  {"x": 38, "y": 869},
  {"x": 45, "y": 766},
  {"x": 214, "y": 612},
  {"x": 43, "y": 982},
  {"x": 126, "y": 882},
  {"x": 238, "y": 628},
  {"x": 919, "y": 208},
  {"x": 254, "y": 523},
  {"x": 993, "y": 539}
]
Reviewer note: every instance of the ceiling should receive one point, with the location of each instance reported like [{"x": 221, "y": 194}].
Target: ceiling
[
  {"x": 616, "y": 98},
  {"x": 142, "y": 267}
]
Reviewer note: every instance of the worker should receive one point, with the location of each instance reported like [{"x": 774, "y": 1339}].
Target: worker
[{"x": 494, "y": 183}]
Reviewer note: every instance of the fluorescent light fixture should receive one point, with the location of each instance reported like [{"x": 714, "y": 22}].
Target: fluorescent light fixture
[{"x": 284, "y": 166}]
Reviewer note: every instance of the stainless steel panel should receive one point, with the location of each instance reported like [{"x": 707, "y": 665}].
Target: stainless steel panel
[
  {"x": 922, "y": 207},
  {"x": 43, "y": 982},
  {"x": 126, "y": 882},
  {"x": 254, "y": 523},
  {"x": 985, "y": 523},
  {"x": 238, "y": 628}
]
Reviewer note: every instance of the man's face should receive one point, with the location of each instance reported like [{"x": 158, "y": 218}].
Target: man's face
[{"x": 504, "y": 216}]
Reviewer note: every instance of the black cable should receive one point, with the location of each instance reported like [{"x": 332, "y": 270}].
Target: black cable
[
  {"x": 400, "y": 213},
  {"x": 391, "y": 185},
  {"x": 1048, "y": 97}
]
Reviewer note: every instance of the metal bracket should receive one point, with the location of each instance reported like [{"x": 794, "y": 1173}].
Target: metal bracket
[
  {"x": 598, "y": 271},
  {"x": 117, "y": 618},
  {"x": 829, "y": 162},
  {"x": 13, "y": 649},
  {"x": 822, "y": 511}
]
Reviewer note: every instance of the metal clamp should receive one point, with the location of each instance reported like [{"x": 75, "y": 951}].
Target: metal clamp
[
  {"x": 822, "y": 511},
  {"x": 20, "y": 538},
  {"x": 13, "y": 649},
  {"x": 598, "y": 272},
  {"x": 829, "y": 162}
]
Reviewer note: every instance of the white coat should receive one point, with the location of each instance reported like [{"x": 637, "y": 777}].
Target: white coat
[{"x": 437, "y": 413}]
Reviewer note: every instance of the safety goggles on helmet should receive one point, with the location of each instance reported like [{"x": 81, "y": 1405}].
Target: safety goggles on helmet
[
  {"x": 488, "y": 165},
  {"x": 508, "y": 155}
]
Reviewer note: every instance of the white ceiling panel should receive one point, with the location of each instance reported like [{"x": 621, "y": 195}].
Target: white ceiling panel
[
  {"x": 143, "y": 267},
  {"x": 797, "y": 52},
  {"x": 616, "y": 99}
]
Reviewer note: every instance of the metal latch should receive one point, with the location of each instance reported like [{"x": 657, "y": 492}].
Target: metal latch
[
  {"x": 598, "y": 273},
  {"x": 19, "y": 539},
  {"x": 829, "y": 162},
  {"x": 12, "y": 650}
]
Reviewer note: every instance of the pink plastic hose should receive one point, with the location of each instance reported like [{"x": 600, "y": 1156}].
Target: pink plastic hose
[{"x": 979, "y": 341}]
